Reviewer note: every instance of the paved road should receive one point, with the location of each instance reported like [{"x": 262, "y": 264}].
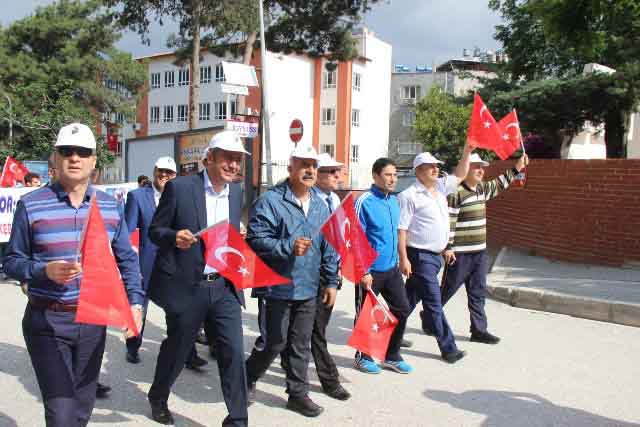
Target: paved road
[{"x": 550, "y": 370}]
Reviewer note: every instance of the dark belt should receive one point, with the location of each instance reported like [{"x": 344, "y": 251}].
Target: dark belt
[
  {"x": 47, "y": 304},
  {"x": 210, "y": 277},
  {"x": 424, "y": 251}
]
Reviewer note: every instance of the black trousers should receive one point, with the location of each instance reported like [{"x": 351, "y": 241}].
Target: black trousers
[
  {"x": 289, "y": 326},
  {"x": 217, "y": 300},
  {"x": 66, "y": 357},
  {"x": 390, "y": 284},
  {"x": 325, "y": 366}
]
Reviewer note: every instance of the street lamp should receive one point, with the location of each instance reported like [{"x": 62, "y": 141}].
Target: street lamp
[
  {"x": 265, "y": 106},
  {"x": 10, "y": 118}
]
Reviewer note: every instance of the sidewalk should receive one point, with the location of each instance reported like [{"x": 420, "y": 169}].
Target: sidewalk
[{"x": 587, "y": 291}]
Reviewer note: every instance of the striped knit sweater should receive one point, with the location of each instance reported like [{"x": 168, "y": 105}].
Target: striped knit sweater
[{"x": 468, "y": 215}]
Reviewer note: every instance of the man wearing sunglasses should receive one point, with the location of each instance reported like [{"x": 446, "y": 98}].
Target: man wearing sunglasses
[{"x": 42, "y": 250}]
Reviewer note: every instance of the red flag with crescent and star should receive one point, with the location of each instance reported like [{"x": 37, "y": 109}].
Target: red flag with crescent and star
[
  {"x": 13, "y": 172},
  {"x": 227, "y": 252},
  {"x": 373, "y": 329},
  {"x": 483, "y": 131},
  {"x": 511, "y": 136},
  {"x": 134, "y": 237},
  {"x": 344, "y": 232},
  {"x": 102, "y": 299}
]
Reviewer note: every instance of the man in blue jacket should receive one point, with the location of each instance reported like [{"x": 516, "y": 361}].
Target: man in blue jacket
[{"x": 284, "y": 230}]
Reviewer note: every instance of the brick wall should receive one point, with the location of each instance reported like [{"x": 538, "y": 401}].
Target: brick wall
[{"x": 584, "y": 211}]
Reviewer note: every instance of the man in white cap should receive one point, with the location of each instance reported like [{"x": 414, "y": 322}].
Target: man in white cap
[
  {"x": 423, "y": 234},
  {"x": 466, "y": 253},
  {"x": 189, "y": 290},
  {"x": 42, "y": 251},
  {"x": 283, "y": 230},
  {"x": 139, "y": 209}
]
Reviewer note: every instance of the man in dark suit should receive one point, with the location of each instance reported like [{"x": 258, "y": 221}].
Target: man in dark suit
[{"x": 189, "y": 290}]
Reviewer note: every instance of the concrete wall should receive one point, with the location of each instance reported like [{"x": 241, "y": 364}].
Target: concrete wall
[{"x": 571, "y": 210}]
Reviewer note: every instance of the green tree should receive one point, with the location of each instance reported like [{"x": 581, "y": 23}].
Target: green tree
[
  {"x": 441, "y": 126},
  {"x": 317, "y": 27},
  {"x": 55, "y": 64},
  {"x": 548, "y": 43}
]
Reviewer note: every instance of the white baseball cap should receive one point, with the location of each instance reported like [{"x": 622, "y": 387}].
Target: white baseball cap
[
  {"x": 475, "y": 158},
  {"x": 304, "y": 152},
  {"x": 76, "y": 135},
  {"x": 326, "y": 161},
  {"x": 204, "y": 153},
  {"x": 227, "y": 140},
  {"x": 425, "y": 158},
  {"x": 166, "y": 163}
]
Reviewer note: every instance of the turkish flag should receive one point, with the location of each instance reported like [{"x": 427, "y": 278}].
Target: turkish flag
[
  {"x": 483, "y": 130},
  {"x": 227, "y": 252},
  {"x": 344, "y": 232},
  {"x": 134, "y": 237},
  {"x": 511, "y": 136},
  {"x": 102, "y": 299},
  {"x": 14, "y": 171},
  {"x": 373, "y": 329}
]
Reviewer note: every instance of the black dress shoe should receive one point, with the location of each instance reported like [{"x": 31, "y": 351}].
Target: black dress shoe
[
  {"x": 201, "y": 338},
  {"x": 484, "y": 337},
  {"x": 304, "y": 406},
  {"x": 406, "y": 343},
  {"x": 195, "y": 363},
  {"x": 453, "y": 357},
  {"x": 425, "y": 328},
  {"x": 133, "y": 357},
  {"x": 160, "y": 412},
  {"x": 338, "y": 393},
  {"x": 102, "y": 391}
]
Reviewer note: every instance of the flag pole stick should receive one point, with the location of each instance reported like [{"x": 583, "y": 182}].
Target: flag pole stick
[{"x": 204, "y": 230}]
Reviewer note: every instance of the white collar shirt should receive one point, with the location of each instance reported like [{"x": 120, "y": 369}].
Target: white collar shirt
[
  {"x": 425, "y": 216},
  {"x": 156, "y": 195},
  {"x": 217, "y": 208},
  {"x": 335, "y": 200}
]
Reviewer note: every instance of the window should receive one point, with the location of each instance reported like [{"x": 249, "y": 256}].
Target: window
[
  {"x": 219, "y": 110},
  {"x": 219, "y": 73},
  {"x": 329, "y": 149},
  {"x": 355, "y": 153},
  {"x": 329, "y": 79},
  {"x": 169, "y": 79},
  {"x": 168, "y": 114},
  {"x": 154, "y": 115},
  {"x": 155, "y": 80},
  {"x": 182, "y": 113},
  {"x": 205, "y": 74},
  {"x": 120, "y": 118},
  {"x": 408, "y": 118},
  {"x": 234, "y": 107},
  {"x": 328, "y": 116},
  {"x": 183, "y": 77},
  {"x": 357, "y": 78},
  {"x": 411, "y": 148},
  {"x": 204, "y": 111},
  {"x": 411, "y": 93},
  {"x": 355, "y": 118}
]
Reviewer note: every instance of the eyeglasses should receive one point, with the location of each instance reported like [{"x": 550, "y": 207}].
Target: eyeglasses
[
  {"x": 68, "y": 151},
  {"x": 330, "y": 171}
]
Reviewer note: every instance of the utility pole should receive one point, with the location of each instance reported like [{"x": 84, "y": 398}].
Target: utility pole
[
  {"x": 10, "y": 118},
  {"x": 266, "y": 140}
]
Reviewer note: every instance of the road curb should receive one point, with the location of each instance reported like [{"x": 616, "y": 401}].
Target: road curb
[{"x": 554, "y": 302}]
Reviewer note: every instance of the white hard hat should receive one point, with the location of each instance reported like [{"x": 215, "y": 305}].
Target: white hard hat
[
  {"x": 326, "y": 161},
  {"x": 227, "y": 140},
  {"x": 76, "y": 135},
  {"x": 475, "y": 158},
  {"x": 304, "y": 152},
  {"x": 425, "y": 158},
  {"x": 166, "y": 163}
]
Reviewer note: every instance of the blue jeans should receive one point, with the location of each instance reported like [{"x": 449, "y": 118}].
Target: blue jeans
[
  {"x": 423, "y": 285},
  {"x": 470, "y": 269}
]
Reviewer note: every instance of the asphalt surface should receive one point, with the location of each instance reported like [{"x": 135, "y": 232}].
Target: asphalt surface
[{"x": 549, "y": 370}]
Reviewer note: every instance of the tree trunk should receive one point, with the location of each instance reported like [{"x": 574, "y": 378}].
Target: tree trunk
[
  {"x": 195, "y": 70},
  {"x": 246, "y": 60}
]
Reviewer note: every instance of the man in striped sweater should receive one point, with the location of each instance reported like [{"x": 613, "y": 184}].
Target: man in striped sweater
[{"x": 466, "y": 254}]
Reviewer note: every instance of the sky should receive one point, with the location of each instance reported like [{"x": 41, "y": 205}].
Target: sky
[{"x": 422, "y": 32}]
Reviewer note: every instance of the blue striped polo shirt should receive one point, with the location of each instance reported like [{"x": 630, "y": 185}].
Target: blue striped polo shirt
[{"x": 46, "y": 227}]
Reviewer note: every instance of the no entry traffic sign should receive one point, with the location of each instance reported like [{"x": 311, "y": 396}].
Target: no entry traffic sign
[{"x": 295, "y": 130}]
